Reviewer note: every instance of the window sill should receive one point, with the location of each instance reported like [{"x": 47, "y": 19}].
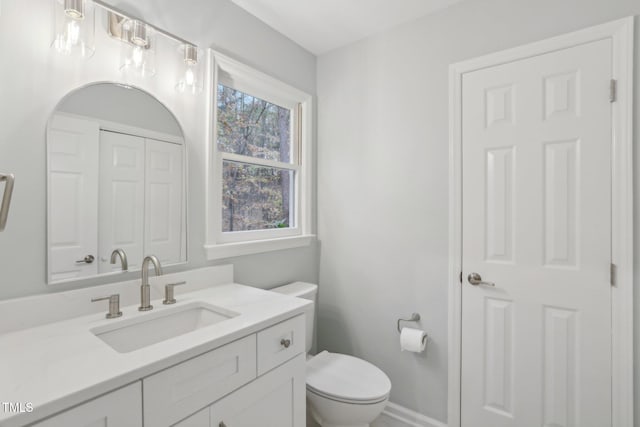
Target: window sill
[{"x": 228, "y": 250}]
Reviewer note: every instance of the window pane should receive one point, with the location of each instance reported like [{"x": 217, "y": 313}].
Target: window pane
[
  {"x": 256, "y": 197},
  {"x": 253, "y": 127}
]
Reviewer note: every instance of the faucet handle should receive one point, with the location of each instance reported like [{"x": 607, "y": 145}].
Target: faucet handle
[
  {"x": 114, "y": 305},
  {"x": 168, "y": 292}
]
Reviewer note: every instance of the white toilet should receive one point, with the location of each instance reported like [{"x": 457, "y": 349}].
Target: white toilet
[{"x": 342, "y": 391}]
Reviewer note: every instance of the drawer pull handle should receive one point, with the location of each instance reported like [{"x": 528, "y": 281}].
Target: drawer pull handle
[
  {"x": 222, "y": 424},
  {"x": 285, "y": 343}
]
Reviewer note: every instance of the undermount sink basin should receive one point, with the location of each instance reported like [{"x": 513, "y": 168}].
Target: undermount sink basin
[{"x": 128, "y": 335}]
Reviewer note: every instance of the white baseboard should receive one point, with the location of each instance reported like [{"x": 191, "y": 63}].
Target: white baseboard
[{"x": 398, "y": 416}]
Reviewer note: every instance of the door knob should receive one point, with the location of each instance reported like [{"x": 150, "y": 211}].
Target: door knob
[
  {"x": 86, "y": 260},
  {"x": 475, "y": 280}
]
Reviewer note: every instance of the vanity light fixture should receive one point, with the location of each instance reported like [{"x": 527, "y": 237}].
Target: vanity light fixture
[
  {"x": 75, "y": 33},
  {"x": 191, "y": 77},
  {"x": 74, "y": 27}
]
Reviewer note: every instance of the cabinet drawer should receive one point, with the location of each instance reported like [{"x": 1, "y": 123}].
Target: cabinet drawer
[
  {"x": 280, "y": 343},
  {"x": 122, "y": 407},
  {"x": 179, "y": 391}
]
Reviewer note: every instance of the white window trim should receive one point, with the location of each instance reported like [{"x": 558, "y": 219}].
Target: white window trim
[{"x": 225, "y": 70}]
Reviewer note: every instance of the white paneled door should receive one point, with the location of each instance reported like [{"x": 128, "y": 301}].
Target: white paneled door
[
  {"x": 122, "y": 195},
  {"x": 536, "y": 165},
  {"x": 72, "y": 226},
  {"x": 165, "y": 235}
]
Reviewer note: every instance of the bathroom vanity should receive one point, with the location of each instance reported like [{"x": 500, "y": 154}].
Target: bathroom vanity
[{"x": 223, "y": 355}]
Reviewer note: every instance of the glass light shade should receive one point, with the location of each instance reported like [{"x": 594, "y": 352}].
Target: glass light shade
[
  {"x": 139, "y": 50},
  {"x": 139, "y": 34},
  {"x": 74, "y": 27},
  {"x": 191, "y": 75}
]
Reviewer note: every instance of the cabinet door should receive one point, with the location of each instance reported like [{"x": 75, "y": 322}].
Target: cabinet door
[
  {"x": 120, "y": 408},
  {"x": 121, "y": 198},
  {"x": 276, "y": 399},
  {"x": 199, "y": 419}
]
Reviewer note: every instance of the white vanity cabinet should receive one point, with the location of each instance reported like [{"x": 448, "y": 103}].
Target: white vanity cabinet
[
  {"x": 258, "y": 380},
  {"x": 119, "y": 408},
  {"x": 236, "y": 356}
]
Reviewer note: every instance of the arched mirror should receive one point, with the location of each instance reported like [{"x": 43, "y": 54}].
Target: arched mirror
[{"x": 115, "y": 183}]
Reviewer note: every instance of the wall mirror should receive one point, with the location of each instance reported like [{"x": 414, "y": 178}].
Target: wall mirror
[{"x": 115, "y": 182}]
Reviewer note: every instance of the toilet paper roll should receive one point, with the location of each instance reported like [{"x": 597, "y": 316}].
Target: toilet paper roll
[{"x": 412, "y": 339}]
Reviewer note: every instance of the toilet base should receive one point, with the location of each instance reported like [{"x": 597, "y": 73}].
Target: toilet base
[
  {"x": 331, "y": 413},
  {"x": 313, "y": 420},
  {"x": 337, "y": 425}
]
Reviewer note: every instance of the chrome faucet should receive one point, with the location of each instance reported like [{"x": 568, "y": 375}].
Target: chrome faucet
[
  {"x": 123, "y": 258},
  {"x": 145, "y": 289}
]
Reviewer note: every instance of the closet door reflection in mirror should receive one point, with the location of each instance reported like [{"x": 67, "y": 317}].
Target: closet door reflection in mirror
[{"x": 115, "y": 180}]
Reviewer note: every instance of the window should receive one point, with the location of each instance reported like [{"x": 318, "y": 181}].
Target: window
[
  {"x": 256, "y": 195},
  {"x": 259, "y": 192}
]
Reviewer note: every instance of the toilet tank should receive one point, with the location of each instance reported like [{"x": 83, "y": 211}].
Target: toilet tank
[{"x": 306, "y": 291}]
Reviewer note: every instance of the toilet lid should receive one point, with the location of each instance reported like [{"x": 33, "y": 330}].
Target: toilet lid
[{"x": 346, "y": 378}]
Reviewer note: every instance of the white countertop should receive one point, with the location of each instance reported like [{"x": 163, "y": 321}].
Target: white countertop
[{"x": 59, "y": 365}]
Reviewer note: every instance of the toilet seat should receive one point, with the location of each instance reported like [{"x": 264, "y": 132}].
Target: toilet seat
[
  {"x": 346, "y": 379},
  {"x": 342, "y": 400}
]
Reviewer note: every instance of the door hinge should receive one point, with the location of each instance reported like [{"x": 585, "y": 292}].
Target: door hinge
[
  {"x": 613, "y": 274},
  {"x": 460, "y": 277},
  {"x": 613, "y": 90}
]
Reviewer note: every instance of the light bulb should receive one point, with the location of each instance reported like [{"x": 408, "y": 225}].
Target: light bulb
[
  {"x": 73, "y": 33},
  {"x": 137, "y": 56},
  {"x": 189, "y": 77}
]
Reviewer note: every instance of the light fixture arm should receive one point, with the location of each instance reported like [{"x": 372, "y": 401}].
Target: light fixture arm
[{"x": 119, "y": 12}]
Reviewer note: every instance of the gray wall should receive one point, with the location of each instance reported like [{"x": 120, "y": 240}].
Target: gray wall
[
  {"x": 382, "y": 178},
  {"x": 33, "y": 79},
  {"x": 118, "y": 104}
]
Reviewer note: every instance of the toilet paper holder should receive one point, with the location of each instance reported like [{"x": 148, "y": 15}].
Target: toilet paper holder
[{"x": 414, "y": 318}]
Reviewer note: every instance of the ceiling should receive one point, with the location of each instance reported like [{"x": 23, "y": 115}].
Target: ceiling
[{"x": 323, "y": 25}]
